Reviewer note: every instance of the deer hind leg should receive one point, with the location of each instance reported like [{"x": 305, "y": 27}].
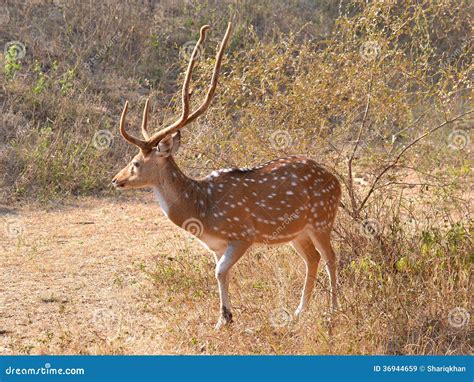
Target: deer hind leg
[
  {"x": 231, "y": 255},
  {"x": 305, "y": 248},
  {"x": 322, "y": 242}
]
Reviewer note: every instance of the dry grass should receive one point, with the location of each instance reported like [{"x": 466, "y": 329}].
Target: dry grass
[{"x": 113, "y": 276}]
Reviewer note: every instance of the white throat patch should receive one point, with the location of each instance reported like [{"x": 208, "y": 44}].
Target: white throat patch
[{"x": 161, "y": 199}]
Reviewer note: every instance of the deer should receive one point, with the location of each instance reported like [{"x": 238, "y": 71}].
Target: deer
[{"x": 287, "y": 200}]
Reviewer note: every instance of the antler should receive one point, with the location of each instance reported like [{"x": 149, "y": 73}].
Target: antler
[
  {"x": 137, "y": 142},
  {"x": 215, "y": 77},
  {"x": 145, "y": 120},
  {"x": 185, "y": 118}
]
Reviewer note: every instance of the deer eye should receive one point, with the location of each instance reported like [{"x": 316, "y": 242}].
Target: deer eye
[{"x": 136, "y": 164}]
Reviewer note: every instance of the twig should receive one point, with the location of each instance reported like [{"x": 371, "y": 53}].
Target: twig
[
  {"x": 411, "y": 185},
  {"x": 350, "y": 187},
  {"x": 411, "y": 144}
]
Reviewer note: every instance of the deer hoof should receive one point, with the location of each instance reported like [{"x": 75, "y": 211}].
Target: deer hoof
[{"x": 224, "y": 319}]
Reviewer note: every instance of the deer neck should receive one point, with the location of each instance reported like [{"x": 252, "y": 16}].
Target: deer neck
[{"x": 179, "y": 196}]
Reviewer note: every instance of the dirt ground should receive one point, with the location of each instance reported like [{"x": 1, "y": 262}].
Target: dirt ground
[
  {"x": 115, "y": 276},
  {"x": 69, "y": 275}
]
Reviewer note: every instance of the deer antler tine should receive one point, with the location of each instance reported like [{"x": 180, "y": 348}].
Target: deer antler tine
[
  {"x": 122, "y": 120},
  {"x": 134, "y": 141},
  {"x": 145, "y": 120},
  {"x": 215, "y": 76},
  {"x": 186, "y": 94}
]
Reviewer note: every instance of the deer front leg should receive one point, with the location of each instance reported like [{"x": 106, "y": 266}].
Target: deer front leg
[{"x": 231, "y": 255}]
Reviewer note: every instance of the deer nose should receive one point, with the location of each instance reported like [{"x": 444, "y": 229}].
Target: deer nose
[{"x": 114, "y": 181}]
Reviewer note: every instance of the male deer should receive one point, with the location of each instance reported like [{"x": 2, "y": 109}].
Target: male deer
[{"x": 290, "y": 199}]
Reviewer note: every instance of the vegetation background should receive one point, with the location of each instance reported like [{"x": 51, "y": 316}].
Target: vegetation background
[{"x": 378, "y": 91}]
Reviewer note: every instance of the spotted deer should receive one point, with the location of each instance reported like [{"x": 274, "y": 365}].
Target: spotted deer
[{"x": 291, "y": 199}]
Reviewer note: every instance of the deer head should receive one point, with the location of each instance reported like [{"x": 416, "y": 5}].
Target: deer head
[{"x": 156, "y": 150}]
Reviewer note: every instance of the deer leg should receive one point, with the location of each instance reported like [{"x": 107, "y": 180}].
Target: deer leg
[
  {"x": 322, "y": 242},
  {"x": 218, "y": 255},
  {"x": 305, "y": 248},
  {"x": 232, "y": 254}
]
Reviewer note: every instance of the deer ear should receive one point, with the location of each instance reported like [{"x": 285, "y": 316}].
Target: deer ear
[
  {"x": 169, "y": 145},
  {"x": 176, "y": 142}
]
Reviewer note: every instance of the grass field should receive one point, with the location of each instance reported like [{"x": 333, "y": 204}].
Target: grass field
[{"x": 114, "y": 276}]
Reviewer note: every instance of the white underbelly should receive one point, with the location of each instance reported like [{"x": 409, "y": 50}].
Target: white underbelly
[{"x": 213, "y": 243}]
